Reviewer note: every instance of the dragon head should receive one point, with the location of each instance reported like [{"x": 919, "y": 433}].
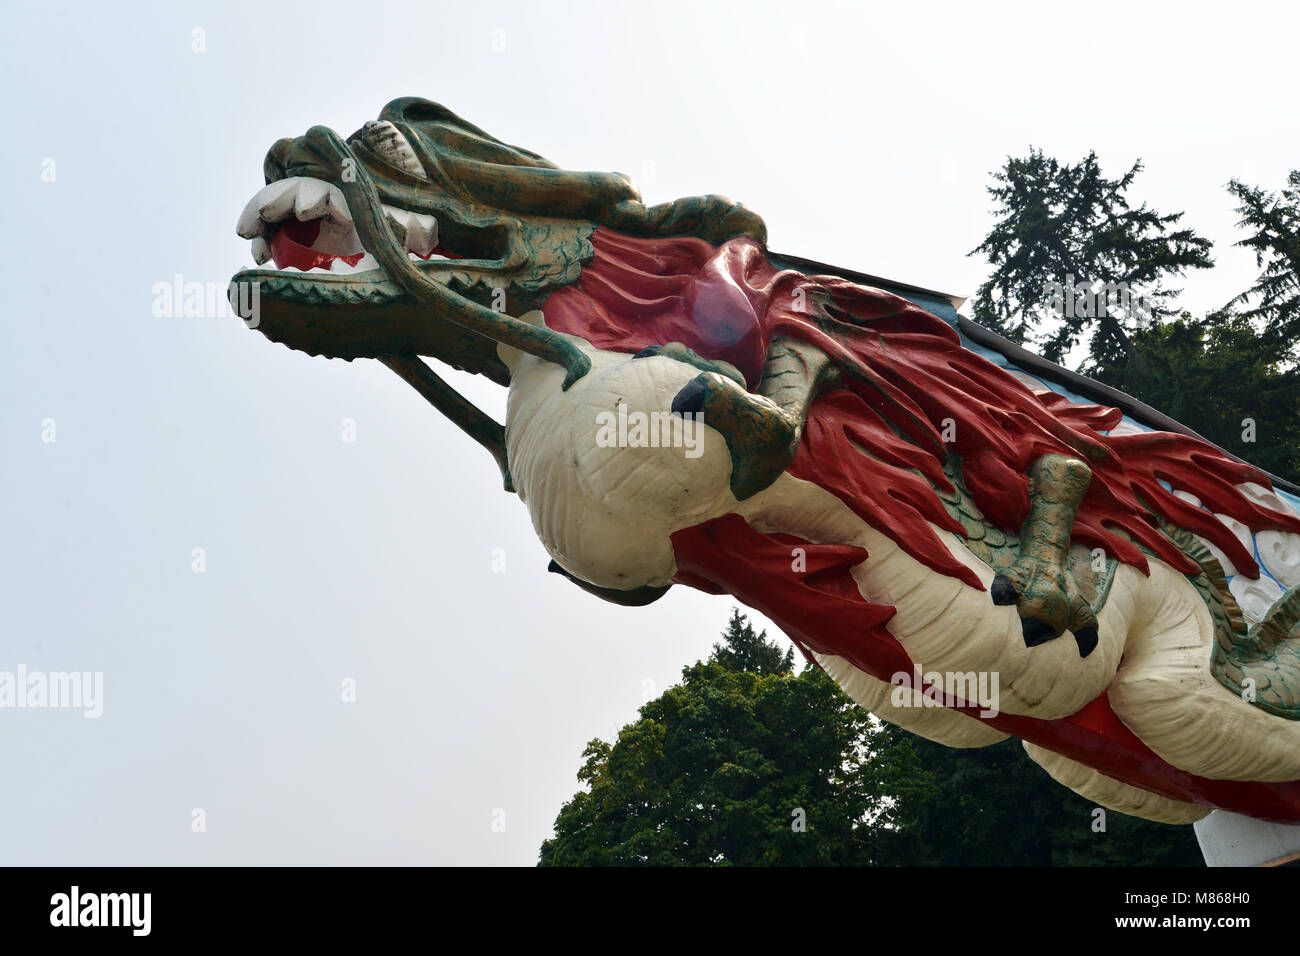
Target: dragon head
[{"x": 420, "y": 231}]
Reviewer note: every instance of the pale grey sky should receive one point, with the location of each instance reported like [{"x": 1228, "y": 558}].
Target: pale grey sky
[{"x": 863, "y": 133}]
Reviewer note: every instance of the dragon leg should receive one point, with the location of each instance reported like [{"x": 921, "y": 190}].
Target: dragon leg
[
  {"x": 761, "y": 428},
  {"x": 794, "y": 374},
  {"x": 1039, "y": 582}
]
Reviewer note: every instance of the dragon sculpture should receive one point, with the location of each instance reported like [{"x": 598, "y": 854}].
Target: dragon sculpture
[{"x": 906, "y": 494}]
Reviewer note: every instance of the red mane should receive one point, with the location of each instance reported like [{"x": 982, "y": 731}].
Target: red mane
[{"x": 877, "y": 443}]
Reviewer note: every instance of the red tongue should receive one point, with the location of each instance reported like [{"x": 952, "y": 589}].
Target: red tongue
[{"x": 291, "y": 247}]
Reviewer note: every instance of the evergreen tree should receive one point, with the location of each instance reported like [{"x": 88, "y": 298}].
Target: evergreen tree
[
  {"x": 1274, "y": 299},
  {"x": 1225, "y": 381},
  {"x": 1063, "y": 229},
  {"x": 744, "y": 650},
  {"x": 993, "y": 806},
  {"x": 742, "y": 763}
]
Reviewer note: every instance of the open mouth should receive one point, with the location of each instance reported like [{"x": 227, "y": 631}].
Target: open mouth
[{"x": 304, "y": 224}]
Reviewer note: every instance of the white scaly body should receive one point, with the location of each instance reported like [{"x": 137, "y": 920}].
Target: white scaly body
[{"x": 606, "y": 514}]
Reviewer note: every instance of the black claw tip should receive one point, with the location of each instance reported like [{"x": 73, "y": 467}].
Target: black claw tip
[
  {"x": 555, "y": 568},
  {"x": 1035, "y": 631},
  {"x": 1003, "y": 591},
  {"x": 691, "y": 398},
  {"x": 1086, "y": 638},
  {"x": 648, "y": 351}
]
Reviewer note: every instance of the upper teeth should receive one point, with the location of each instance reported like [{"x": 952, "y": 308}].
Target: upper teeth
[
  {"x": 301, "y": 196},
  {"x": 306, "y": 199},
  {"x": 417, "y": 230}
]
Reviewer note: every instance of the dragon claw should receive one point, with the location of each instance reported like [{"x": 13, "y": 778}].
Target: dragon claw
[
  {"x": 1037, "y": 631},
  {"x": 1048, "y": 603},
  {"x": 1086, "y": 638},
  {"x": 760, "y": 438},
  {"x": 577, "y": 365},
  {"x": 1003, "y": 591},
  {"x": 1039, "y": 582},
  {"x": 691, "y": 398}
]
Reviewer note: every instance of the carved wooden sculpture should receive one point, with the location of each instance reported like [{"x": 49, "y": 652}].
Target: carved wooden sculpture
[{"x": 903, "y": 492}]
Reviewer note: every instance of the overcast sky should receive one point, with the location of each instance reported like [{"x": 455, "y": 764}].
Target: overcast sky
[{"x": 864, "y": 134}]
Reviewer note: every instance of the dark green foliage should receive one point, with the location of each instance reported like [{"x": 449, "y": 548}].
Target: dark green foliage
[
  {"x": 1058, "y": 223},
  {"x": 724, "y": 766},
  {"x": 993, "y": 806},
  {"x": 1216, "y": 376},
  {"x": 743, "y": 649},
  {"x": 1274, "y": 299}
]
